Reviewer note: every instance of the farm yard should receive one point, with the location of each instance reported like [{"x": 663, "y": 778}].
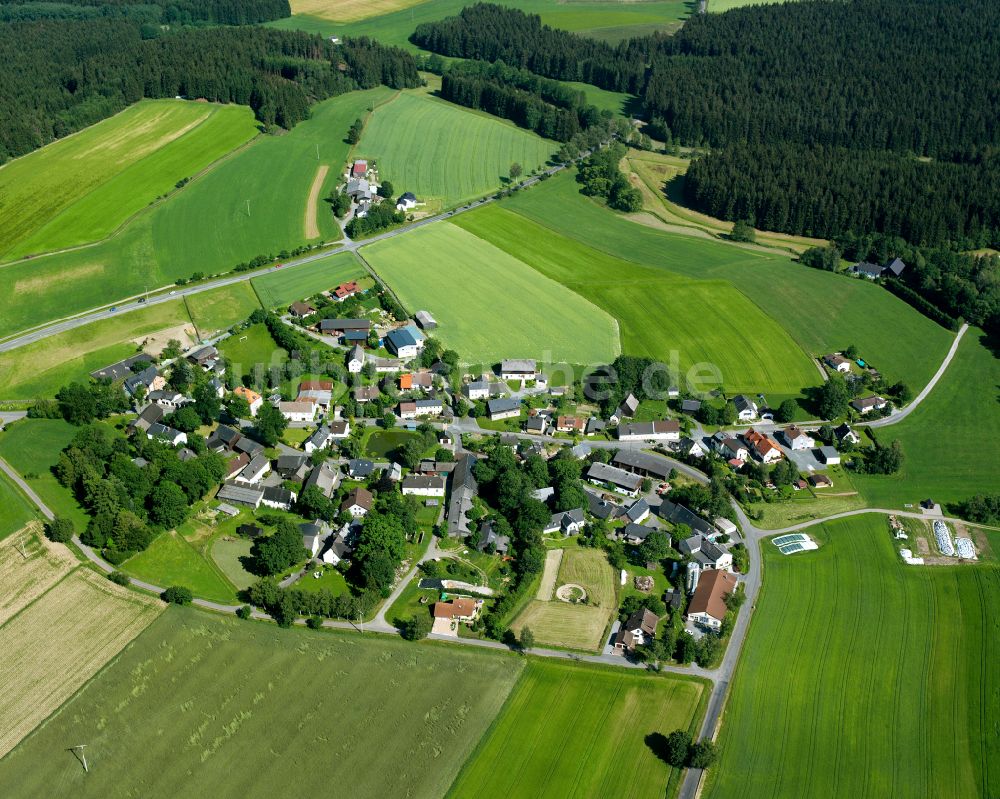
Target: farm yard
[
  {"x": 214, "y": 311},
  {"x": 444, "y": 262},
  {"x": 555, "y": 622},
  {"x": 41, "y": 368},
  {"x": 451, "y": 154},
  {"x": 964, "y": 405},
  {"x": 276, "y": 289},
  {"x": 572, "y": 731},
  {"x": 393, "y": 719},
  {"x": 903, "y": 657},
  {"x": 703, "y": 321},
  {"x": 81, "y": 188},
  {"x": 204, "y": 228},
  {"x": 60, "y": 641},
  {"x": 821, "y": 311}
]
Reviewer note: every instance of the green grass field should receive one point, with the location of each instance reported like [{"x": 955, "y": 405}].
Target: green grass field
[
  {"x": 15, "y": 510},
  {"x": 41, "y": 368},
  {"x": 951, "y": 441},
  {"x": 32, "y": 447},
  {"x": 573, "y": 731},
  {"x": 79, "y": 189},
  {"x": 488, "y": 304},
  {"x": 216, "y": 310},
  {"x": 203, "y": 228},
  {"x": 661, "y": 314},
  {"x": 196, "y": 694},
  {"x": 449, "y": 154},
  {"x": 864, "y": 677},
  {"x": 227, "y": 554},
  {"x": 602, "y": 19},
  {"x": 170, "y": 560},
  {"x": 820, "y": 310},
  {"x": 283, "y": 287},
  {"x": 253, "y": 346}
]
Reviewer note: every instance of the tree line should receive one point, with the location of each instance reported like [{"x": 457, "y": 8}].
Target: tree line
[
  {"x": 167, "y": 12},
  {"x": 62, "y": 75}
]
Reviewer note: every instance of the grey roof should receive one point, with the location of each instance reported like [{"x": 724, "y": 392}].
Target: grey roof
[
  {"x": 595, "y": 425},
  {"x": 357, "y": 353},
  {"x": 158, "y": 430},
  {"x": 536, "y": 423},
  {"x": 642, "y": 462},
  {"x": 345, "y": 324},
  {"x": 601, "y": 508},
  {"x": 866, "y": 268},
  {"x": 319, "y": 437},
  {"x": 463, "y": 489},
  {"x": 612, "y": 474},
  {"x": 828, "y": 452},
  {"x": 144, "y": 378},
  {"x": 249, "y": 446},
  {"x": 151, "y": 414},
  {"x": 636, "y": 510},
  {"x": 744, "y": 403},
  {"x": 659, "y": 427},
  {"x": 423, "y": 482},
  {"x": 278, "y": 495},
  {"x": 123, "y": 368},
  {"x": 224, "y": 435},
  {"x": 488, "y": 535},
  {"x": 325, "y": 478},
  {"x": 518, "y": 365},
  {"x": 896, "y": 266},
  {"x": 678, "y": 514},
  {"x": 256, "y": 465},
  {"x": 690, "y": 405},
  {"x": 503, "y": 405},
  {"x": 640, "y": 531},
  {"x": 360, "y": 467},
  {"x": 186, "y": 455},
  {"x": 289, "y": 463},
  {"x": 244, "y": 495},
  {"x": 629, "y": 406}
]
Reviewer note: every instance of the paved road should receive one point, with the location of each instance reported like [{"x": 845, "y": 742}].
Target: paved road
[
  {"x": 901, "y": 413},
  {"x": 132, "y": 304}
]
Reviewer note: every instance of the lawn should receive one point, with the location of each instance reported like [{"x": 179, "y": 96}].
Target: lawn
[
  {"x": 15, "y": 510},
  {"x": 251, "y": 347},
  {"x": 382, "y": 442},
  {"x": 603, "y": 18},
  {"x": 41, "y": 368},
  {"x": 488, "y": 304},
  {"x": 207, "y": 227},
  {"x": 821, "y": 311},
  {"x": 228, "y": 553},
  {"x": 449, "y": 154},
  {"x": 864, "y": 677},
  {"x": 214, "y": 311},
  {"x": 79, "y": 189},
  {"x": 309, "y": 710},
  {"x": 810, "y": 504},
  {"x": 170, "y": 560},
  {"x": 704, "y": 328},
  {"x": 330, "y": 579},
  {"x": 59, "y": 642},
  {"x": 571, "y": 731},
  {"x": 951, "y": 441},
  {"x": 32, "y": 447},
  {"x": 276, "y": 289}
]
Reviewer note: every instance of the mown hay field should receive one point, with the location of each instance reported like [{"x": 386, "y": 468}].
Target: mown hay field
[
  {"x": 302, "y": 711},
  {"x": 81, "y": 188},
  {"x": 215, "y": 311},
  {"x": 286, "y": 286},
  {"x": 15, "y": 510},
  {"x": 864, "y": 677},
  {"x": 29, "y": 566},
  {"x": 444, "y": 152},
  {"x": 488, "y": 304},
  {"x": 706, "y": 327},
  {"x": 170, "y": 560},
  {"x": 59, "y": 642},
  {"x": 571, "y": 731},
  {"x": 821, "y": 311}
]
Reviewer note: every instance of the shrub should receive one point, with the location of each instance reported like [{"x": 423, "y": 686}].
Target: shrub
[
  {"x": 119, "y": 578},
  {"x": 177, "y": 595}
]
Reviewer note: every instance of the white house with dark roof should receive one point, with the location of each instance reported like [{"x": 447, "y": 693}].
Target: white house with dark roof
[
  {"x": 503, "y": 408},
  {"x": 868, "y": 404},
  {"x": 298, "y": 411},
  {"x": 355, "y": 359},
  {"x": 518, "y": 369},
  {"x": 662, "y": 430},
  {"x": 796, "y": 438},
  {"x": 568, "y": 522},
  {"x": 626, "y": 410},
  {"x": 163, "y": 433},
  {"x": 746, "y": 408}
]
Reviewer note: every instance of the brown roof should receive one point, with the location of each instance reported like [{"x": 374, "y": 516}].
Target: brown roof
[
  {"x": 458, "y": 607},
  {"x": 760, "y": 442},
  {"x": 301, "y": 308},
  {"x": 358, "y": 496},
  {"x": 709, "y": 596},
  {"x": 236, "y": 464},
  {"x": 571, "y": 422},
  {"x": 316, "y": 385}
]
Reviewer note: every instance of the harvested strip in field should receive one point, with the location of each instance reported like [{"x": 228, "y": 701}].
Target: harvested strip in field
[{"x": 29, "y": 566}]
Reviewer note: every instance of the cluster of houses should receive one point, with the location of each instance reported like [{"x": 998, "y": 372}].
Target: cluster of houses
[
  {"x": 362, "y": 188},
  {"x": 891, "y": 268}
]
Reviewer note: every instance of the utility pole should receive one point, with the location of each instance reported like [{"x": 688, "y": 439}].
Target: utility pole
[
  {"x": 20, "y": 548},
  {"x": 83, "y": 755},
  {"x": 361, "y": 623}
]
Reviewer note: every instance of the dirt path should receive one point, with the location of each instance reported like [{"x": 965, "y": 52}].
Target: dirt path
[
  {"x": 551, "y": 571},
  {"x": 311, "y": 222}
]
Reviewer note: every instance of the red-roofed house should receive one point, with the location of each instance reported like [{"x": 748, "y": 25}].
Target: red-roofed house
[{"x": 360, "y": 169}]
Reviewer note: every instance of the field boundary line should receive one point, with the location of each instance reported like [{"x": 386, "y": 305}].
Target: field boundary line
[
  {"x": 118, "y": 231},
  {"x": 41, "y": 595}
]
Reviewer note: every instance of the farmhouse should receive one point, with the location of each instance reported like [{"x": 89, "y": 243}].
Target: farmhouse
[
  {"x": 223, "y": 437},
  {"x": 691, "y": 448},
  {"x": 829, "y": 456},
  {"x": 122, "y": 369},
  {"x": 637, "y": 511},
  {"x": 425, "y": 320},
  {"x": 642, "y": 463},
  {"x": 301, "y": 309},
  {"x": 360, "y": 468},
  {"x": 866, "y": 269},
  {"x": 203, "y": 356},
  {"x": 336, "y": 550},
  {"x": 425, "y": 485},
  {"x": 359, "y": 190},
  {"x": 477, "y": 390},
  {"x": 571, "y": 424},
  {"x": 536, "y": 425},
  {"x": 567, "y": 522},
  {"x": 600, "y": 507},
  {"x": 163, "y": 433},
  {"x": 518, "y": 369},
  {"x": 168, "y": 398},
  {"x": 355, "y": 359},
  {"x": 705, "y": 553},
  {"x": 463, "y": 490},
  {"x": 313, "y": 536},
  {"x": 387, "y": 365},
  {"x": 595, "y": 426},
  {"x": 626, "y": 410},
  {"x": 620, "y": 480},
  {"x": 669, "y": 430},
  {"x": 318, "y": 440},
  {"x": 638, "y": 630},
  {"x": 845, "y": 433},
  {"x": 503, "y": 408},
  {"x": 405, "y": 342},
  {"x": 746, "y": 408},
  {"x": 837, "y": 362},
  {"x": 325, "y": 478},
  {"x": 344, "y": 290},
  {"x": 459, "y": 609},
  {"x": 291, "y": 467},
  {"x": 491, "y": 541},
  {"x": 254, "y": 471},
  {"x": 406, "y": 201},
  {"x": 297, "y": 411},
  {"x": 339, "y": 429},
  {"x": 428, "y": 407},
  {"x": 762, "y": 447},
  {"x": 729, "y": 447},
  {"x": 150, "y": 415},
  {"x": 690, "y": 406},
  {"x": 278, "y": 498},
  {"x": 249, "y": 446},
  {"x": 357, "y": 502},
  {"x": 416, "y": 380},
  {"x": 149, "y": 378},
  {"x": 240, "y": 495},
  {"x": 634, "y": 533},
  {"x": 679, "y": 514},
  {"x": 237, "y": 465},
  {"x": 337, "y": 327},
  {"x": 867, "y": 404},
  {"x": 708, "y": 605},
  {"x": 796, "y": 438},
  {"x": 318, "y": 391},
  {"x": 364, "y": 394}
]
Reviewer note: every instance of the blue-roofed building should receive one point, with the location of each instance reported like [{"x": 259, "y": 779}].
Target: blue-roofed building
[{"x": 405, "y": 342}]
